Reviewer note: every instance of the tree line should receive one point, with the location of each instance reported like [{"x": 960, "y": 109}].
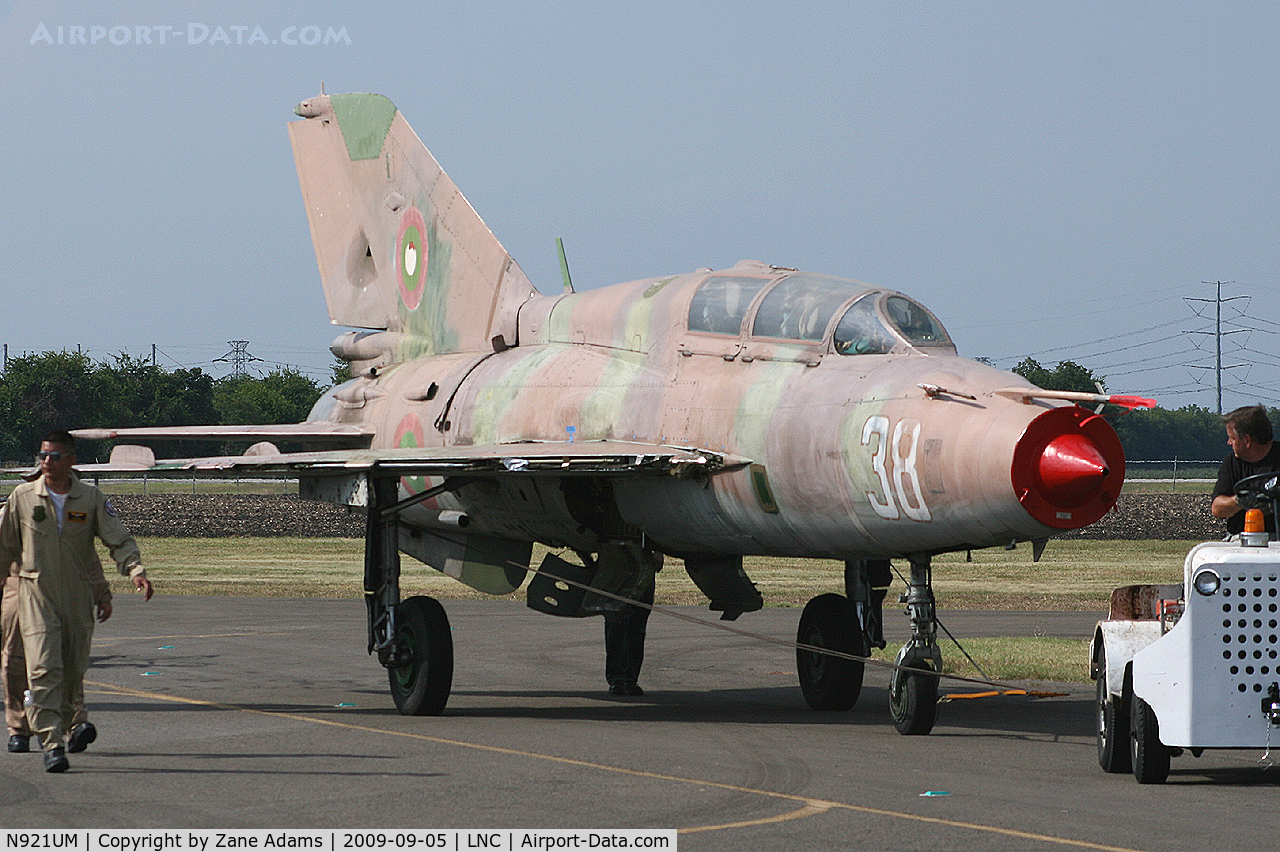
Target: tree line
[
  {"x": 1190, "y": 433},
  {"x": 67, "y": 390},
  {"x": 54, "y": 390}
]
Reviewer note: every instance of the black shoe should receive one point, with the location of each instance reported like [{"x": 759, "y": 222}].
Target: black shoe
[
  {"x": 81, "y": 736},
  {"x": 19, "y": 743},
  {"x": 617, "y": 689},
  {"x": 55, "y": 760},
  {"x": 633, "y": 689}
]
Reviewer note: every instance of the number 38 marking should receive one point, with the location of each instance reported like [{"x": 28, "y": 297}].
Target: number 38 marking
[{"x": 894, "y": 463}]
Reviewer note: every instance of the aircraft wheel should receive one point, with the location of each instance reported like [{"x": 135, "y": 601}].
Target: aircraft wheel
[
  {"x": 830, "y": 683},
  {"x": 1113, "y": 756},
  {"x": 1149, "y": 756},
  {"x": 423, "y": 674},
  {"x": 913, "y": 699}
]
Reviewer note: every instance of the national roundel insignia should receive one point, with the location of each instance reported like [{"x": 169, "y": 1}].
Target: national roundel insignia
[
  {"x": 409, "y": 433},
  {"x": 411, "y": 257}
]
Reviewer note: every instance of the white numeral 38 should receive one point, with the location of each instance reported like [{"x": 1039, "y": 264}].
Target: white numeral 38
[{"x": 894, "y": 463}]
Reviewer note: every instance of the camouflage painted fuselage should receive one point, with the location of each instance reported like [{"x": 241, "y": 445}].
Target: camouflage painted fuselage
[
  {"x": 849, "y": 455},
  {"x": 866, "y": 435}
]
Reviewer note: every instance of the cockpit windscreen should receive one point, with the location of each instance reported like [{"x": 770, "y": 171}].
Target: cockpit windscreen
[{"x": 800, "y": 306}]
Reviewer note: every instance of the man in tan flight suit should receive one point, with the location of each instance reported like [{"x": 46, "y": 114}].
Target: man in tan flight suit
[
  {"x": 13, "y": 663},
  {"x": 49, "y": 528}
]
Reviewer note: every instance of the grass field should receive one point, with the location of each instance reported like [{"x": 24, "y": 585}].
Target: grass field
[{"x": 1071, "y": 575}]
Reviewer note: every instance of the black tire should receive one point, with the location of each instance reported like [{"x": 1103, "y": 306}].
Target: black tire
[
  {"x": 830, "y": 683},
  {"x": 420, "y": 684},
  {"x": 1149, "y": 756},
  {"x": 913, "y": 699},
  {"x": 1113, "y": 750}
]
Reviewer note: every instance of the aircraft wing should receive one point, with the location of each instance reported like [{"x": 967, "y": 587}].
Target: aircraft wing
[
  {"x": 480, "y": 561},
  {"x": 523, "y": 458},
  {"x": 312, "y": 432}
]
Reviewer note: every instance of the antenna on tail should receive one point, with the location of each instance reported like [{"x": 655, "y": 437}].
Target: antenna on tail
[{"x": 564, "y": 266}]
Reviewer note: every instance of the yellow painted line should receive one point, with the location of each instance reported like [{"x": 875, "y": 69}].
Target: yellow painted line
[
  {"x": 809, "y": 806},
  {"x": 810, "y": 809},
  {"x": 109, "y": 639}
]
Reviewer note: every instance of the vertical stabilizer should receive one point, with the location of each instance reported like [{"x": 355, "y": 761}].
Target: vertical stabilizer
[{"x": 398, "y": 246}]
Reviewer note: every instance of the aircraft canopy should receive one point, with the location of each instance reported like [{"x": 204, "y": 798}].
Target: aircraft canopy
[{"x": 802, "y": 306}]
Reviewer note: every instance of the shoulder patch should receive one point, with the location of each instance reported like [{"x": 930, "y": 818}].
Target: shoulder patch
[{"x": 110, "y": 507}]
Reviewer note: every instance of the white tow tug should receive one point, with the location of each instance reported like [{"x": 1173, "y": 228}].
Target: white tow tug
[{"x": 1194, "y": 666}]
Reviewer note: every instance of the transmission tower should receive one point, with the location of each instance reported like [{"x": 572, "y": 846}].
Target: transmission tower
[
  {"x": 239, "y": 357},
  {"x": 1218, "y": 332}
]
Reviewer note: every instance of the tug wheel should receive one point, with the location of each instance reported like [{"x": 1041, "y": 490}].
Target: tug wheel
[
  {"x": 1113, "y": 756},
  {"x": 1149, "y": 756}
]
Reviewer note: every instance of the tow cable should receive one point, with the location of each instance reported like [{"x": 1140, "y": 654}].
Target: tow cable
[{"x": 1001, "y": 689}]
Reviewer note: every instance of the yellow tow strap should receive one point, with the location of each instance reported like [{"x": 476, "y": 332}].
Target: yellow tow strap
[{"x": 996, "y": 692}]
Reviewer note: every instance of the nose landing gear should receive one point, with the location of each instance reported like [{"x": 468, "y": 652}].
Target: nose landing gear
[{"x": 913, "y": 698}]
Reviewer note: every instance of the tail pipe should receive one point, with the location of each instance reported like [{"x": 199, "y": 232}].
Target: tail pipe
[{"x": 1068, "y": 468}]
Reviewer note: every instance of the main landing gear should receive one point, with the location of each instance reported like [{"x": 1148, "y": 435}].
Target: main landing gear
[
  {"x": 830, "y": 683},
  {"x": 411, "y": 637},
  {"x": 849, "y": 624},
  {"x": 852, "y": 624},
  {"x": 420, "y": 662}
]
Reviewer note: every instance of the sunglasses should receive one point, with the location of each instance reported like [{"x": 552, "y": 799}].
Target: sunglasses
[{"x": 42, "y": 455}]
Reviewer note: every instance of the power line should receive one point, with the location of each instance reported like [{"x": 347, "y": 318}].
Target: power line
[
  {"x": 1126, "y": 335},
  {"x": 1217, "y": 332},
  {"x": 239, "y": 357}
]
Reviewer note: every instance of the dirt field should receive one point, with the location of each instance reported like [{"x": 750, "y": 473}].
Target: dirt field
[{"x": 1148, "y": 516}]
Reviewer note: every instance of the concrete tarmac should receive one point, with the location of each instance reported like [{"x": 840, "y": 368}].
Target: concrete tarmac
[{"x": 265, "y": 713}]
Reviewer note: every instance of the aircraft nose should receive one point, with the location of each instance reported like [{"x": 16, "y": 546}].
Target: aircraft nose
[{"x": 1068, "y": 467}]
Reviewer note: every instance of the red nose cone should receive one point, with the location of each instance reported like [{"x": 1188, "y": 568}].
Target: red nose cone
[
  {"x": 1068, "y": 468},
  {"x": 1071, "y": 469}
]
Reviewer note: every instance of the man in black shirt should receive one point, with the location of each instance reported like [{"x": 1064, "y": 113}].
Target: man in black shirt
[{"x": 1253, "y": 451}]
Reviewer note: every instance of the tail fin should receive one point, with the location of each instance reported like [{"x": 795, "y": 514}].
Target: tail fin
[{"x": 398, "y": 246}]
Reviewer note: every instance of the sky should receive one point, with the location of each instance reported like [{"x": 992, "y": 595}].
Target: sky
[{"x": 1055, "y": 181}]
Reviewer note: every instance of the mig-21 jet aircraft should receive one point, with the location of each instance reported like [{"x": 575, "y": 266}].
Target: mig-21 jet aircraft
[{"x": 703, "y": 416}]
